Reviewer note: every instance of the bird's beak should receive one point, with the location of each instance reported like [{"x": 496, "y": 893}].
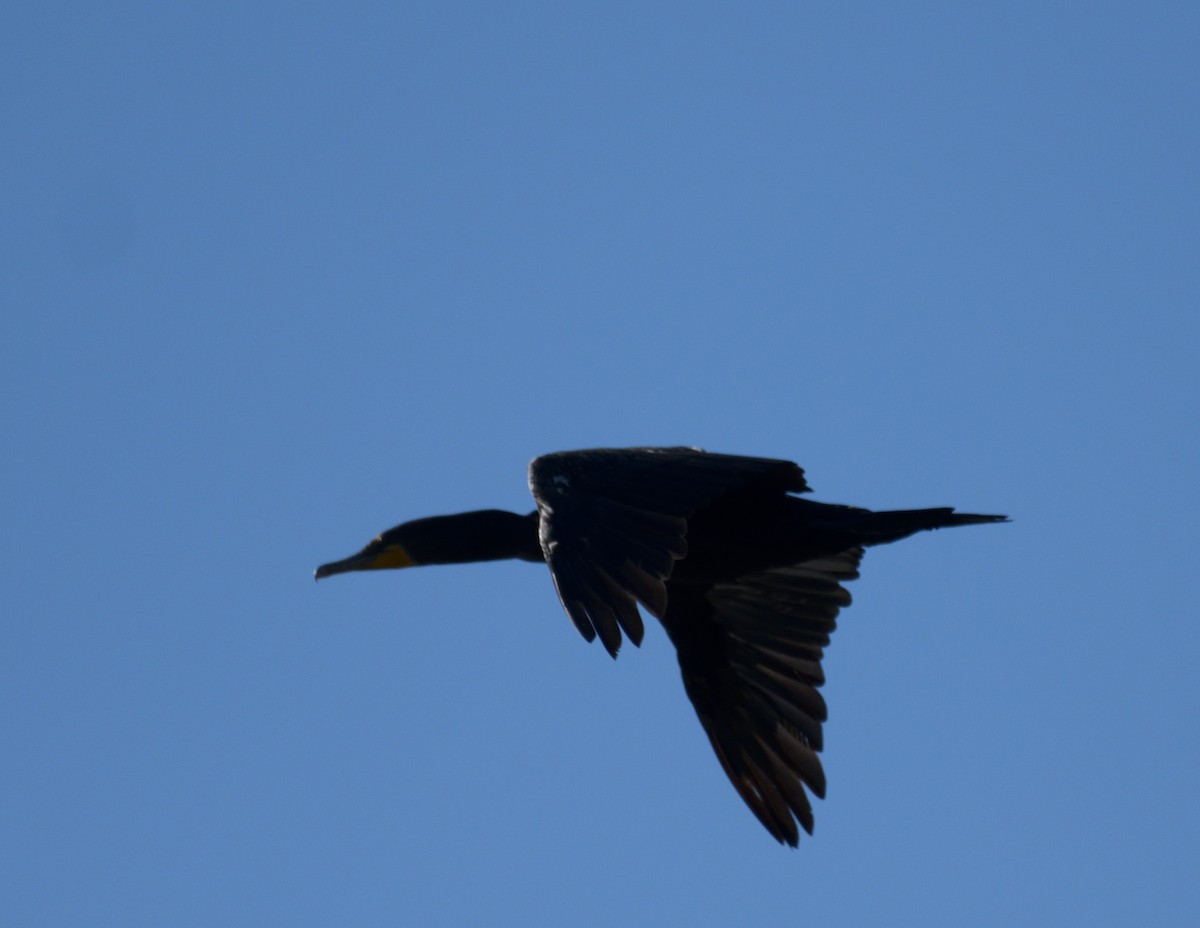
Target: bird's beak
[
  {"x": 357, "y": 562},
  {"x": 378, "y": 555}
]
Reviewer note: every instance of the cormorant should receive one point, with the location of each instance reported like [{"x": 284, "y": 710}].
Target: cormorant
[{"x": 745, "y": 577}]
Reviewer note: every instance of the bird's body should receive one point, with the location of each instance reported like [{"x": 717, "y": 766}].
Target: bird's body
[{"x": 744, "y": 576}]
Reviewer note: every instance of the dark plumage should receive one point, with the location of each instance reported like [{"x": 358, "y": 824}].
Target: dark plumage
[{"x": 745, "y": 577}]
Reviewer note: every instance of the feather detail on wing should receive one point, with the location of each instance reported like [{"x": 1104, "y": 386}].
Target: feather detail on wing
[{"x": 750, "y": 652}]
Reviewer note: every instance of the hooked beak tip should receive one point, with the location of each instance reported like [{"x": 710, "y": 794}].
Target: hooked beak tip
[{"x": 327, "y": 570}]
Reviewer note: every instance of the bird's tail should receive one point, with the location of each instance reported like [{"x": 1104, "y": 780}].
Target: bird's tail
[{"x": 878, "y": 528}]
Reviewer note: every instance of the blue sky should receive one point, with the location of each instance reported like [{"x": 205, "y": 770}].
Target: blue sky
[{"x": 278, "y": 276}]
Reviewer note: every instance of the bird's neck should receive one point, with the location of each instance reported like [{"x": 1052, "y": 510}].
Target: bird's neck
[
  {"x": 483, "y": 535},
  {"x": 521, "y": 532}
]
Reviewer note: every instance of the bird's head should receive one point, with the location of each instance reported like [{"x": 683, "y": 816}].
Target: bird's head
[{"x": 387, "y": 550}]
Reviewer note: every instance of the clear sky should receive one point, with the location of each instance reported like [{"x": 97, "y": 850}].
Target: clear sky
[{"x": 276, "y": 276}]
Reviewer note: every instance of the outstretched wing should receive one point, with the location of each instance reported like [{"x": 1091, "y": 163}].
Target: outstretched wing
[
  {"x": 614, "y": 521},
  {"x": 750, "y": 652}
]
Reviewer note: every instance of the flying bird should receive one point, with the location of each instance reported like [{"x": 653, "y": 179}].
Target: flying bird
[{"x": 745, "y": 577}]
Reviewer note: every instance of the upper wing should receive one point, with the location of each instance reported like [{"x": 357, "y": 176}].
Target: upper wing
[
  {"x": 614, "y": 521},
  {"x": 750, "y": 652}
]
